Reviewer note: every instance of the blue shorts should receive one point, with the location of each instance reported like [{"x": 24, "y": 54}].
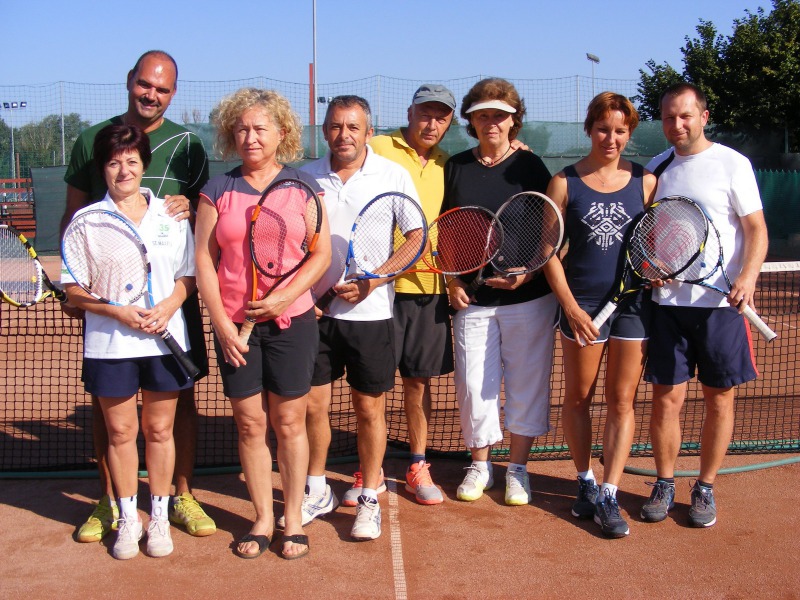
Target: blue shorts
[
  {"x": 630, "y": 320},
  {"x": 279, "y": 360},
  {"x": 423, "y": 338},
  {"x": 123, "y": 377},
  {"x": 364, "y": 349},
  {"x": 714, "y": 341}
]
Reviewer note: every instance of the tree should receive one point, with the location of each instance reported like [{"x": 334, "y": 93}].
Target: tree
[
  {"x": 39, "y": 144},
  {"x": 751, "y": 78},
  {"x": 5, "y": 149}
]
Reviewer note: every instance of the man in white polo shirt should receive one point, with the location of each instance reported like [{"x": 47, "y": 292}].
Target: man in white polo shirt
[{"x": 356, "y": 332}]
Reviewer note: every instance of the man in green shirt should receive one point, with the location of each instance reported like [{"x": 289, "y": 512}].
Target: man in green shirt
[{"x": 178, "y": 170}]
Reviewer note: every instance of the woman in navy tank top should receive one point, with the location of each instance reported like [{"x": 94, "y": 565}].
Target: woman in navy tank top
[{"x": 601, "y": 196}]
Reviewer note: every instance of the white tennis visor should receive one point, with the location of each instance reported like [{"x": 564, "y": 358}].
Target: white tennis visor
[{"x": 499, "y": 104}]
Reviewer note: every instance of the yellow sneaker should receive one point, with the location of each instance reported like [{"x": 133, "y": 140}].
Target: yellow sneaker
[
  {"x": 188, "y": 512},
  {"x": 102, "y": 520}
]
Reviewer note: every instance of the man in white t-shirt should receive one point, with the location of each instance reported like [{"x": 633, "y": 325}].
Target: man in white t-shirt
[
  {"x": 356, "y": 331},
  {"x": 695, "y": 329}
]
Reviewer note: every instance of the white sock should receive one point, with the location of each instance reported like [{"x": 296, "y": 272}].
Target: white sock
[
  {"x": 517, "y": 467},
  {"x": 484, "y": 466},
  {"x": 612, "y": 490},
  {"x": 587, "y": 475},
  {"x": 370, "y": 493},
  {"x": 159, "y": 506},
  {"x": 127, "y": 509},
  {"x": 316, "y": 485}
]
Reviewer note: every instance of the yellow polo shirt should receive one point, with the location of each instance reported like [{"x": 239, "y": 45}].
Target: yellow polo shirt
[{"x": 429, "y": 181}]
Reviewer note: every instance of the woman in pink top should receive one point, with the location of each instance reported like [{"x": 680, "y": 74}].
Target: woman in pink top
[{"x": 267, "y": 380}]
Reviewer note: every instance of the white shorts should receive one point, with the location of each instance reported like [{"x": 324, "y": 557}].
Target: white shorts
[{"x": 511, "y": 343}]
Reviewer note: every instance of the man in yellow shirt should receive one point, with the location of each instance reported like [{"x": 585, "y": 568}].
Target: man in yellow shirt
[{"x": 421, "y": 315}]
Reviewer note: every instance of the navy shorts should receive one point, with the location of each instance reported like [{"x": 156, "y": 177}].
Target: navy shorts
[
  {"x": 279, "y": 360},
  {"x": 630, "y": 320},
  {"x": 715, "y": 342},
  {"x": 123, "y": 377},
  {"x": 364, "y": 349},
  {"x": 423, "y": 337}
]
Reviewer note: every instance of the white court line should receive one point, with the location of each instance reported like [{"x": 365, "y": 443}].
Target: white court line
[{"x": 400, "y": 588}]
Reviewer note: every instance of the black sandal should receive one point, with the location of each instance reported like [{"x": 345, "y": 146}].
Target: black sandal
[
  {"x": 295, "y": 539},
  {"x": 263, "y": 542}
]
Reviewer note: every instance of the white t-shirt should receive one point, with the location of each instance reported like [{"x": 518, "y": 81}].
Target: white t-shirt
[
  {"x": 170, "y": 249},
  {"x": 722, "y": 181},
  {"x": 343, "y": 202}
]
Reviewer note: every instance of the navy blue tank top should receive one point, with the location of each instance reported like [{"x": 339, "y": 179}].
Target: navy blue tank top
[{"x": 597, "y": 225}]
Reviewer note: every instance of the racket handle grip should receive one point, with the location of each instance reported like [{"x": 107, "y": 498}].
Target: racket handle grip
[
  {"x": 473, "y": 286},
  {"x": 759, "y": 324},
  {"x": 325, "y": 300},
  {"x": 186, "y": 363},
  {"x": 604, "y": 314},
  {"x": 246, "y": 330}
]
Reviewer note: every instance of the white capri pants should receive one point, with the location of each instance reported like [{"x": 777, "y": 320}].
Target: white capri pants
[{"x": 514, "y": 343}]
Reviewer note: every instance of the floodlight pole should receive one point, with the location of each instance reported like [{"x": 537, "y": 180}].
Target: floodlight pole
[
  {"x": 12, "y": 106},
  {"x": 594, "y": 59}
]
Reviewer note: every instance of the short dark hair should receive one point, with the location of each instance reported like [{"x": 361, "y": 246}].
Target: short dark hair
[
  {"x": 160, "y": 53},
  {"x": 676, "y": 89},
  {"x": 348, "y": 101},
  {"x": 113, "y": 140}
]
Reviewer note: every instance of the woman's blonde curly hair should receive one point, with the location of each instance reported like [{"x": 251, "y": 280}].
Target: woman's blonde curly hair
[{"x": 230, "y": 109}]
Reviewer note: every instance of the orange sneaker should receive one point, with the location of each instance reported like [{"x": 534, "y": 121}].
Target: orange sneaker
[
  {"x": 350, "y": 497},
  {"x": 419, "y": 483}
]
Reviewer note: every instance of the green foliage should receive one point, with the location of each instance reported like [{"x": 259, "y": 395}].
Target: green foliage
[
  {"x": 39, "y": 143},
  {"x": 751, "y": 78}
]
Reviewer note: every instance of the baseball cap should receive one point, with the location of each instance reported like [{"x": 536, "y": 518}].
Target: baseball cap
[
  {"x": 433, "y": 92},
  {"x": 499, "y": 104}
]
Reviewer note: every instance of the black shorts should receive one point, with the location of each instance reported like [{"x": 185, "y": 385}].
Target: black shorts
[
  {"x": 630, "y": 320},
  {"x": 197, "y": 334},
  {"x": 123, "y": 377},
  {"x": 364, "y": 349},
  {"x": 714, "y": 341},
  {"x": 423, "y": 337},
  {"x": 279, "y": 360}
]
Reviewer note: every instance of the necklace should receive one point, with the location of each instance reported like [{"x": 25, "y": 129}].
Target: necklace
[
  {"x": 490, "y": 163},
  {"x": 600, "y": 179}
]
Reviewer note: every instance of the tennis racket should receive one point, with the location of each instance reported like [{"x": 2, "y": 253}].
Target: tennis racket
[
  {"x": 665, "y": 241},
  {"x": 106, "y": 257},
  {"x": 387, "y": 239},
  {"x": 462, "y": 240},
  {"x": 708, "y": 265},
  {"x": 284, "y": 230},
  {"x": 533, "y": 230},
  {"x": 23, "y": 281}
]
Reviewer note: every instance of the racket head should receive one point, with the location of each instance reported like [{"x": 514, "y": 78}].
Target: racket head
[
  {"x": 707, "y": 262},
  {"x": 668, "y": 238},
  {"x": 106, "y": 257},
  {"x": 378, "y": 243},
  {"x": 533, "y": 230},
  {"x": 463, "y": 240},
  {"x": 21, "y": 275},
  {"x": 284, "y": 227}
]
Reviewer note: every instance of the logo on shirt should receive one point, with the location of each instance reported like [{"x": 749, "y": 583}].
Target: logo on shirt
[
  {"x": 162, "y": 238},
  {"x": 607, "y": 222}
]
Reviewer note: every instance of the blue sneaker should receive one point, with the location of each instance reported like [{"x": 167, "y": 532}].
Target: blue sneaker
[
  {"x": 587, "y": 498},
  {"x": 703, "y": 512},
  {"x": 608, "y": 517},
  {"x": 662, "y": 500}
]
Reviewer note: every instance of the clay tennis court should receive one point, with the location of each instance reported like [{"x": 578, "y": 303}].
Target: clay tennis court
[{"x": 454, "y": 550}]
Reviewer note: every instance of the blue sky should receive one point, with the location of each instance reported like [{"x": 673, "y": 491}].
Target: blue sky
[{"x": 92, "y": 42}]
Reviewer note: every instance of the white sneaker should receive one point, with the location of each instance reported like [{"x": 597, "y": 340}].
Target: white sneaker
[
  {"x": 127, "y": 543},
  {"x": 368, "y": 520},
  {"x": 475, "y": 482},
  {"x": 159, "y": 540},
  {"x": 315, "y": 506},
  {"x": 350, "y": 497},
  {"x": 518, "y": 488}
]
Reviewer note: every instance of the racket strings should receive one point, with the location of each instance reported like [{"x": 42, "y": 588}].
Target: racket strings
[
  {"x": 531, "y": 233},
  {"x": 20, "y": 274},
  {"x": 667, "y": 239},
  {"x": 463, "y": 240},
  {"x": 380, "y": 242},
  {"x": 707, "y": 262},
  {"x": 106, "y": 257}
]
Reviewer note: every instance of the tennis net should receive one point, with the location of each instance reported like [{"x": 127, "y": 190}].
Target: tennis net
[{"x": 45, "y": 416}]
